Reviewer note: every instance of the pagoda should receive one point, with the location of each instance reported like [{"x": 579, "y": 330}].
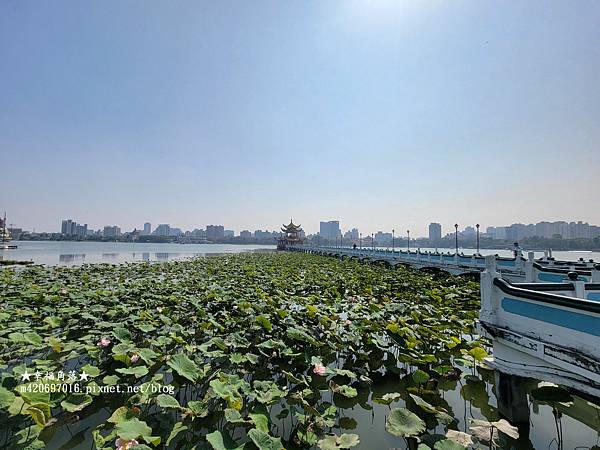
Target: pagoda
[{"x": 290, "y": 236}]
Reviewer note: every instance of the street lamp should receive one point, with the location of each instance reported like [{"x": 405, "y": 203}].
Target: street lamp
[
  {"x": 373, "y": 241},
  {"x": 360, "y": 241},
  {"x": 456, "y": 236},
  {"x": 477, "y": 226},
  {"x": 408, "y": 240},
  {"x": 393, "y": 231}
]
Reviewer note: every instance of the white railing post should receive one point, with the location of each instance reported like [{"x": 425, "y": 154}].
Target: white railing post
[
  {"x": 579, "y": 288},
  {"x": 596, "y": 273},
  {"x": 529, "y": 272},
  {"x": 489, "y": 305},
  {"x": 519, "y": 261}
]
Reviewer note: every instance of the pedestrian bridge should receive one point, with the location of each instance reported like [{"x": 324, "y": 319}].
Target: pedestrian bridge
[
  {"x": 541, "y": 315},
  {"x": 516, "y": 269}
]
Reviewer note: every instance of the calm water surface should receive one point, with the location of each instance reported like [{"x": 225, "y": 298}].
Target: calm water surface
[{"x": 70, "y": 253}]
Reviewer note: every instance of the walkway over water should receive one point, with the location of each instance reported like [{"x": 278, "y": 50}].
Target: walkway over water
[{"x": 516, "y": 269}]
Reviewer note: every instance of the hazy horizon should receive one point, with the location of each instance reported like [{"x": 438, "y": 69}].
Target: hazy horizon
[{"x": 380, "y": 115}]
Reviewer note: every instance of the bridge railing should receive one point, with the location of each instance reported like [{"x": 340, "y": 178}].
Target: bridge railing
[
  {"x": 543, "y": 329},
  {"x": 528, "y": 270}
]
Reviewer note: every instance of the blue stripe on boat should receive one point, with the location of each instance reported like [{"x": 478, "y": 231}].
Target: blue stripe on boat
[
  {"x": 563, "y": 318},
  {"x": 551, "y": 277}
]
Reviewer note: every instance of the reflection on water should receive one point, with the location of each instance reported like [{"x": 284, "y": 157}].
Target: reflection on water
[
  {"x": 75, "y": 253},
  {"x": 72, "y": 257},
  {"x": 478, "y": 394}
]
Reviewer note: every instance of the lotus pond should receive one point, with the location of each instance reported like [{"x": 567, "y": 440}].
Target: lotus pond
[{"x": 264, "y": 351}]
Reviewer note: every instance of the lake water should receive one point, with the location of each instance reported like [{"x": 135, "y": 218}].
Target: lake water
[{"x": 69, "y": 253}]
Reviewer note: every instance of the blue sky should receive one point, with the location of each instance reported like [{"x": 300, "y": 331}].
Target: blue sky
[{"x": 380, "y": 114}]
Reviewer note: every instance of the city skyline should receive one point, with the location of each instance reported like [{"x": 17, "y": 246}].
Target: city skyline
[
  {"x": 331, "y": 229},
  {"x": 382, "y": 114}
]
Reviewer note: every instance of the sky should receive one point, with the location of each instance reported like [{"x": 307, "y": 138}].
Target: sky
[{"x": 380, "y": 114}]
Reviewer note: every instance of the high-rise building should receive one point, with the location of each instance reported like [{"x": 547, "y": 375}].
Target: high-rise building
[
  {"x": 435, "y": 232},
  {"x": 214, "y": 232},
  {"x": 245, "y": 234},
  {"x": 175, "y": 232},
  {"x": 164, "y": 229},
  {"x": 147, "y": 228},
  {"x": 111, "y": 231},
  {"x": 229, "y": 233},
  {"x": 68, "y": 227},
  {"x": 352, "y": 234},
  {"x": 330, "y": 229},
  {"x": 81, "y": 230}
]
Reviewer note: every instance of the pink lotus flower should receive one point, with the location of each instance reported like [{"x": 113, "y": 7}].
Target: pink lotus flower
[
  {"x": 348, "y": 322},
  {"x": 62, "y": 291},
  {"x": 103, "y": 342},
  {"x": 122, "y": 444},
  {"x": 320, "y": 369},
  {"x": 135, "y": 358},
  {"x": 159, "y": 309}
]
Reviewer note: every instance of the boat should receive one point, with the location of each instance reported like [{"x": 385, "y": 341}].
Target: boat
[{"x": 547, "y": 331}]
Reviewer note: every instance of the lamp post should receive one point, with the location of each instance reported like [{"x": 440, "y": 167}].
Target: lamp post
[
  {"x": 477, "y": 226},
  {"x": 456, "y": 237},
  {"x": 373, "y": 241},
  {"x": 393, "y": 231},
  {"x": 360, "y": 241},
  {"x": 408, "y": 240}
]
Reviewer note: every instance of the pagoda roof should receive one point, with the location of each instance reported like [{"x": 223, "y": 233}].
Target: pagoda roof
[{"x": 291, "y": 227}]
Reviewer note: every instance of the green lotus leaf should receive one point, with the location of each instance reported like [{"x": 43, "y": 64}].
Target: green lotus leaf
[
  {"x": 222, "y": 441},
  {"x": 423, "y": 404},
  {"x": 184, "y": 367},
  {"x": 6, "y": 397},
  {"x": 177, "y": 428},
  {"x": 263, "y": 441},
  {"x": 420, "y": 376},
  {"x": 448, "y": 444},
  {"x": 198, "y": 408},
  {"x": 76, "y": 402},
  {"x": 121, "y": 414},
  {"x": 404, "y": 423},
  {"x": 167, "y": 401},
  {"x": 52, "y": 321},
  {"x": 478, "y": 353},
  {"x": 264, "y": 322},
  {"x": 260, "y": 418},
  {"x": 122, "y": 334},
  {"x": 333, "y": 442},
  {"x": 137, "y": 371},
  {"x": 134, "y": 429},
  {"x": 92, "y": 371}
]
